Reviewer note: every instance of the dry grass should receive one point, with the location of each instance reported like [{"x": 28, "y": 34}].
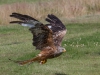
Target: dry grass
[{"x": 61, "y": 8}]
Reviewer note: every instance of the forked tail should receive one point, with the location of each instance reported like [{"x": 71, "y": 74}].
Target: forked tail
[{"x": 27, "y": 61}]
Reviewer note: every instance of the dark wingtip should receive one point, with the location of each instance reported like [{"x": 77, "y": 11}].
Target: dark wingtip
[
  {"x": 11, "y": 15},
  {"x": 19, "y": 22},
  {"x": 49, "y": 15},
  {"x": 15, "y": 13},
  {"x": 48, "y": 20},
  {"x": 11, "y": 22}
]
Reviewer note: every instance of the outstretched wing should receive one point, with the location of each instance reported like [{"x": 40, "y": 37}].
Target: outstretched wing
[
  {"x": 58, "y": 28},
  {"x": 42, "y": 35}
]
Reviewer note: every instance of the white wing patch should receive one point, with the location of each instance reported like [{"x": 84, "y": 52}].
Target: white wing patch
[
  {"x": 50, "y": 27},
  {"x": 28, "y": 25}
]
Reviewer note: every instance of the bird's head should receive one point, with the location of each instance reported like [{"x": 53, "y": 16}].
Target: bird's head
[{"x": 61, "y": 49}]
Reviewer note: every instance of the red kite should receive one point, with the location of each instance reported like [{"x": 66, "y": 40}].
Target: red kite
[{"x": 46, "y": 38}]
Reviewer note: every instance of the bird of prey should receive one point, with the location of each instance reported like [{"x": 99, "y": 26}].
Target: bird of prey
[{"x": 46, "y": 37}]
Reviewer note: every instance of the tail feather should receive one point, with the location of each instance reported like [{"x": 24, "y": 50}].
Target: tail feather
[{"x": 26, "y": 61}]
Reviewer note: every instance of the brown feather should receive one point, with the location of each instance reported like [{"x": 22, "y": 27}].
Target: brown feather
[
  {"x": 42, "y": 36},
  {"x": 46, "y": 53},
  {"x": 58, "y": 29}
]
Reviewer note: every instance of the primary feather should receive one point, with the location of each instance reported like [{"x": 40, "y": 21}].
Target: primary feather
[{"x": 58, "y": 28}]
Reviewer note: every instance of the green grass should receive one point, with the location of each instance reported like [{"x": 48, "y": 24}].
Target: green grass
[
  {"x": 14, "y": 1},
  {"x": 82, "y": 43}
]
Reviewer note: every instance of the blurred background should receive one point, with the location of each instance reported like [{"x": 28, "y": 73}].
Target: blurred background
[{"x": 68, "y": 10}]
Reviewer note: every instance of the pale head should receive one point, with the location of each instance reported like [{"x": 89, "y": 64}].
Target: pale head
[{"x": 61, "y": 49}]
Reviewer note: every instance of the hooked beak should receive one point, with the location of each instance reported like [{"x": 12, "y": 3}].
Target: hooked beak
[{"x": 64, "y": 50}]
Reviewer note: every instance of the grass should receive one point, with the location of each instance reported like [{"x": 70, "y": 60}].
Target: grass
[
  {"x": 14, "y": 1},
  {"x": 82, "y": 40},
  {"x": 82, "y": 43}
]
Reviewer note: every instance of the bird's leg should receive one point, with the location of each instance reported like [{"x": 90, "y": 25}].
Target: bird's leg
[{"x": 43, "y": 61}]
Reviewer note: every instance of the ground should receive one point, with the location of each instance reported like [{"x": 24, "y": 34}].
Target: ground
[{"x": 82, "y": 57}]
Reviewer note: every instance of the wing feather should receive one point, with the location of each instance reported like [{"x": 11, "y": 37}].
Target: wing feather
[
  {"x": 42, "y": 35},
  {"x": 58, "y": 28},
  {"x": 22, "y": 17},
  {"x": 54, "y": 18}
]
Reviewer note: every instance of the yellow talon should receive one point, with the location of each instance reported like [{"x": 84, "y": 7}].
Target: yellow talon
[{"x": 43, "y": 61}]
